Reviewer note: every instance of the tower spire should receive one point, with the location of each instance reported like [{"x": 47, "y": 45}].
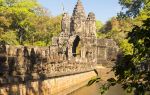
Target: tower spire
[
  {"x": 79, "y": 9},
  {"x": 79, "y": 0}
]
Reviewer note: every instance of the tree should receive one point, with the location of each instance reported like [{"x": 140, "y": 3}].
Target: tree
[
  {"x": 18, "y": 11},
  {"x": 117, "y": 29},
  {"x": 30, "y": 23},
  {"x": 134, "y": 7},
  {"x": 99, "y": 25},
  {"x": 132, "y": 69},
  {"x": 9, "y": 38},
  {"x": 46, "y": 27}
]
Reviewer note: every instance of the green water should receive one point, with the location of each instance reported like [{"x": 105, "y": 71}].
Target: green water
[{"x": 94, "y": 90}]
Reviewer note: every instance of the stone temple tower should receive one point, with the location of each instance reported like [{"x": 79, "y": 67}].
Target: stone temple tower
[
  {"x": 78, "y": 24},
  {"x": 91, "y": 25},
  {"x": 78, "y": 32},
  {"x": 78, "y": 19},
  {"x": 77, "y": 39},
  {"x": 65, "y": 24}
]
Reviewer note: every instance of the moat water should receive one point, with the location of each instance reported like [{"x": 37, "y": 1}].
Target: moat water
[{"x": 94, "y": 90}]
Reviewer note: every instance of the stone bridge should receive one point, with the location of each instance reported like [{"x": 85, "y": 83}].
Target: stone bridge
[
  {"x": 35, "y": 71},
  {"x": 60, "y": 68},
  {"x": 32, "y": 71}
]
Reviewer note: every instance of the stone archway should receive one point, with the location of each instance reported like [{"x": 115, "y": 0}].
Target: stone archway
[{"x": 75, "y": 46}]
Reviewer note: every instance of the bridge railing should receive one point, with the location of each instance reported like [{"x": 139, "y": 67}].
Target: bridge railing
[{"x": 23, "y": 64}]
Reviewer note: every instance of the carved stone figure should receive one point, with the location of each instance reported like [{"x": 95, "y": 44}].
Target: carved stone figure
[
  {"x": 4, "y": 66},
  {"x": 65, "y": 23},
  {"x": 2, "y": 49},
  {"x": 20, "y": 65}
]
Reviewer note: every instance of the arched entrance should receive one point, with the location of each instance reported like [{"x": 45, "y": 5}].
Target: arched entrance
[{"x": 75, "y": 46}]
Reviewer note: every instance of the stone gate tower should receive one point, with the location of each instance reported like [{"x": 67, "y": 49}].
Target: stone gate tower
[
  {"x": 80, "y": 23},
  {"x": 78, "y": 41}
]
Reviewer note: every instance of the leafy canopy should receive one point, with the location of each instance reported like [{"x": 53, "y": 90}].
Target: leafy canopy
[
  {"x": 132, "y": 69},
  {"x": 30, "y": 23}
]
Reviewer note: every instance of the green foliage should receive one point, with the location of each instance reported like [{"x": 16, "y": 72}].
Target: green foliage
[
  {"x": 134, "y": 7},
  {"x": 17, "y": 13},
  {"x": 40, "y": 43},
  {"x": 118, "y": 29},
  {"x": 9, "y": 38},
  {"x": 132, "y": 69},
  {"x": 106, "y": 27},
  {"x": 99, "y": 25},
  {"x": 118, "y": 25},
  {"x": 93, "y": 80},
  {"x": 100, "y": 35},
  {"x": 55, "y": 23},
  {"x": 104, "y": 87},
  {"x": 138, "y": 10},
  {"x": 133, "y": 37},
  {"x": 126, "y": 47},
  {"x": 30, "y": 22},
  {"x": 140, "y": 37}
]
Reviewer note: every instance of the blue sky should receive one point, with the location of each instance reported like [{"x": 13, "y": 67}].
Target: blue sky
[{"x": 103, "y": 9}]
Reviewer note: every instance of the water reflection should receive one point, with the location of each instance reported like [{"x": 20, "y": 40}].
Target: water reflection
[{"x": 94, "y": 90}]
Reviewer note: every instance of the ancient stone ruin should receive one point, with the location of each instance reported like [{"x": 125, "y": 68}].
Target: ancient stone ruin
[
  {"x": 78, "y": 41},
  {"x": 75, "y": 50}
]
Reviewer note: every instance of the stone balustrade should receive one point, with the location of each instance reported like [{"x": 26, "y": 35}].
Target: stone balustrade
[{"x": 19, "y": 64}]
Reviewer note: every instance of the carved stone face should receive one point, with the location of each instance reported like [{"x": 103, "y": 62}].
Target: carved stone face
[{"x": 77, "y": 25}]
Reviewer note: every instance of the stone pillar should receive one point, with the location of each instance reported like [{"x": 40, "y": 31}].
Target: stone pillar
[
  {"x": 20, "y": 65},
  {"x": 33, "y": 60},
  {"x": 26, "y": 59},
  {"x": 4, "y": 66},
  {"x": 11, "y": 51},
  {"x": 91, "y": 25}
]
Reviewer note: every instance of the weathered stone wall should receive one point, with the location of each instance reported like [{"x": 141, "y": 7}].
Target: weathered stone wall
[
  {"x": 107, "y": 51},
  {"x": 27, "y": 63},
  {"x": 54, "y": 86},
  {"x": 20, "y": 64}
]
